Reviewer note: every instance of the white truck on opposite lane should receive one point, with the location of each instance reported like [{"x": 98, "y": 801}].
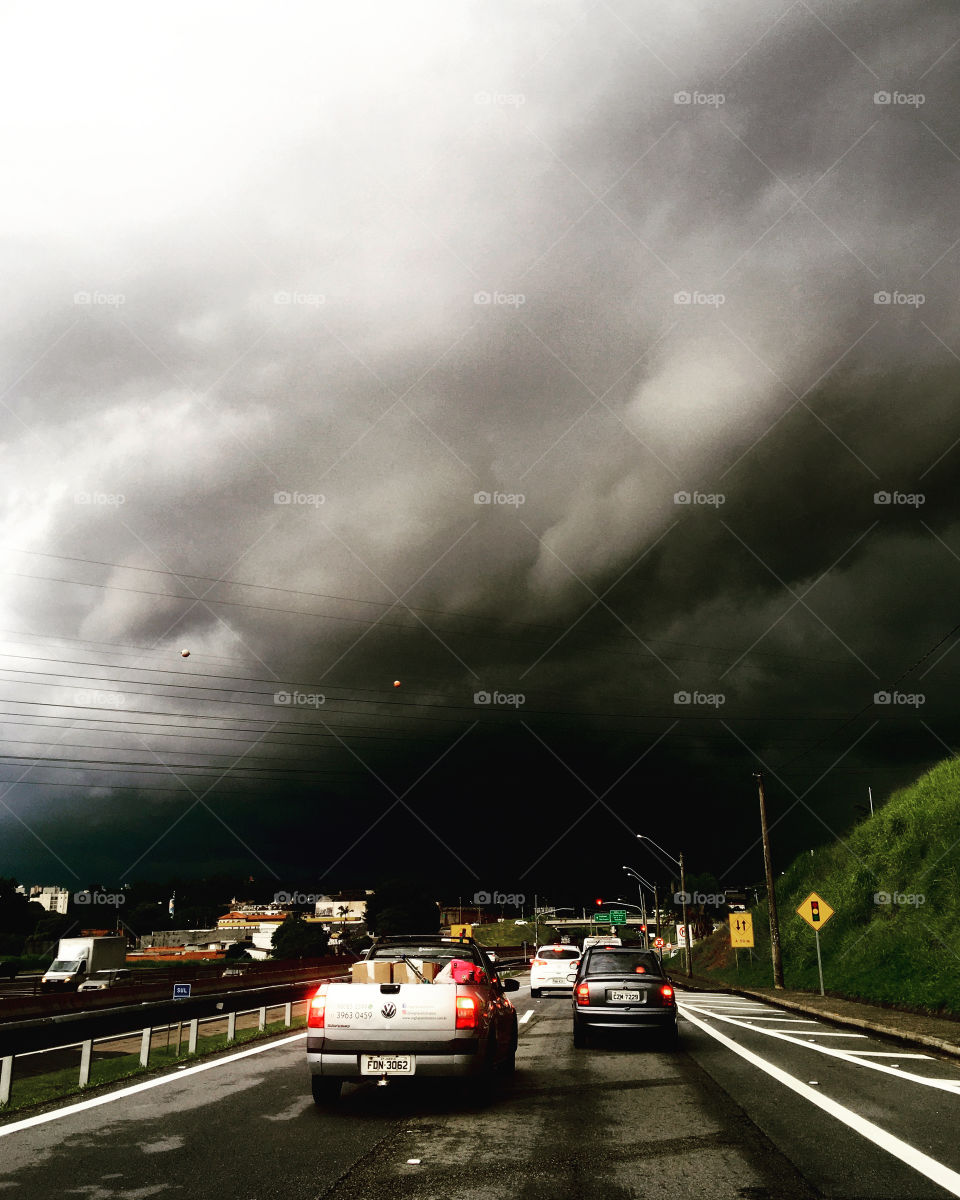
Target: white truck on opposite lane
[{"x": 78, "y": 958}]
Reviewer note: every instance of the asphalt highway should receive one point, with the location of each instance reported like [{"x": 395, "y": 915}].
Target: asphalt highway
[{"x": 756, "y": 1104}]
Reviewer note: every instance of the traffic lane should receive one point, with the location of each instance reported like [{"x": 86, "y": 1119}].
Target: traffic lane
[
  {"x": 247, "y": 1128},
  {"x": 872, "y": 1052},
  {"x": 834, "y": 1158},
  {"x": 622, "y": 1119}
]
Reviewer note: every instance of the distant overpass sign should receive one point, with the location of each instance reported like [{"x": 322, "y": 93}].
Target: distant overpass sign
[
  {"x": 181, "y": 991},
  {"x": 741, "y": 931},
  {"x": 616, "y": 916}
]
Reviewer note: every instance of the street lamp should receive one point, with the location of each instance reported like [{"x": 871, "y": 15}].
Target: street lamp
[
  {"x": 683, "y": 899},
  {"x": 641, "y": 884},
  {"x": 643, "y": 904}
]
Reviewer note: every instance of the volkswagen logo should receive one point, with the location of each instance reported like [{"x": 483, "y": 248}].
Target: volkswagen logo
[{"x": 389, "y": 1010}]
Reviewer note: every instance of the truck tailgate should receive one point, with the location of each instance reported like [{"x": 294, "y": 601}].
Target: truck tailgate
[{"x": 407, "y": 1009}]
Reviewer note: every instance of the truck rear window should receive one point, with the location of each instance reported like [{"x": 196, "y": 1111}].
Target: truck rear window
[{"x": 437, "y": 954}]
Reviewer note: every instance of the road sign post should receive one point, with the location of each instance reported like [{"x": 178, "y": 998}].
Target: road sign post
[
  {"x": 816, "y": 912},
  {"x": 741, "y": 935}
]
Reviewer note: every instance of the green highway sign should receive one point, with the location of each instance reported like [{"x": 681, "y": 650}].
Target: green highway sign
[
  {"x": 601, "y": 918},
  {"x": 618, "y": 916}
]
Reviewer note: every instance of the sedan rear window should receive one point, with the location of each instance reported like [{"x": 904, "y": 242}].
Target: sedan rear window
[{"x": 618, "y": 962}]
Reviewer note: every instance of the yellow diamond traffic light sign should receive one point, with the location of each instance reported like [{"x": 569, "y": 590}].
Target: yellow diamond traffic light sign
[
  {"x": 741, "y": 931},
  {"x": 815, "y": 911}
]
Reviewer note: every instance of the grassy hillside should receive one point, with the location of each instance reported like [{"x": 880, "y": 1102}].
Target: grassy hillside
[
  {"x": 506, "y": 933},
  {"x": 905, "y": 951}
]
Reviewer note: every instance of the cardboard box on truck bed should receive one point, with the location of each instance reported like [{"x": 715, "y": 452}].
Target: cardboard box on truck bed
[
  {"x": 402, "y": 973},
  {"x": 375, "y": 970},
  {"x": 380, "y": 970}
]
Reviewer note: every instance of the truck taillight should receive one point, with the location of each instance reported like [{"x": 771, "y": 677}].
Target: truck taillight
[
  {"x": 316, "y": 1014},
  {"x": 583, "y": 993},
  {"x": 667, "y": 993},
  {"x": 466, "y": 1012}
]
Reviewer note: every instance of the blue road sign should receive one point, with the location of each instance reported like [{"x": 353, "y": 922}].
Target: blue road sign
[{"x": 181, "y": 991}]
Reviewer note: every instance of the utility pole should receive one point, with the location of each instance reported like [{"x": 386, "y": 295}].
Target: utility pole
[
  {"x": 771, "y": 893},
  {"x": 656, "y": 910},
  {"x": 643, "y": 918},
  {"x": 688, "y": 939}
]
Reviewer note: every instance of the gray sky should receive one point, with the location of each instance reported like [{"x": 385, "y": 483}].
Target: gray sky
[{"x": 381, "y": 258}]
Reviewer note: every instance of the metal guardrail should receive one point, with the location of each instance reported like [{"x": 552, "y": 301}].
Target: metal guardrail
[
  {"x": 156, "y": 978},
  {"x": 146, "y": 1034},
  {"x": 39, "y": 1033}
]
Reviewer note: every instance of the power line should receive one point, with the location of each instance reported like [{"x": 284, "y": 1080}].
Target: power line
[{"x": 383, "y": 604}]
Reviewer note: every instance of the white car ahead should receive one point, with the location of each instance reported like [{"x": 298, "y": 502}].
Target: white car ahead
[{"x": 554, "y": 969}]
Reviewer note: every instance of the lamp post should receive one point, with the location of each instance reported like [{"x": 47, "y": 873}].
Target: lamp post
[
  {"x": 641, "y": 908},
  {"x": 641, "y": 883},
  {"x": 656, "y": 898},
  {"x": 683, "y": 900}
]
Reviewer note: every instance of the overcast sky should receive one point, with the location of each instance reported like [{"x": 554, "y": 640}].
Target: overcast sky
[{"x": 588, "y": 356}]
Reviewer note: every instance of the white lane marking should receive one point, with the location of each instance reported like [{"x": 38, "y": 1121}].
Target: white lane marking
[
  {"x": 887, "y": 1054},
  {"x": 182, "y": 1073},
  {"x": 526, "y": 1016},
  {"x": 751, "y": 1017},
  {"x": 901, "y": 1150},
  {"x": 857, "y": 1057},
  {"x": 748, "y": 1007}
]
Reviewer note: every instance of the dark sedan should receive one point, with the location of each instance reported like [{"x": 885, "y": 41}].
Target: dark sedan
[{"x": 621, "y": 988}]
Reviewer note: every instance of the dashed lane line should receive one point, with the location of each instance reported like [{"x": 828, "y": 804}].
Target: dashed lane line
[
  {"x": 899, "y": 1149},
  {"x": 858, "y": 1058}
]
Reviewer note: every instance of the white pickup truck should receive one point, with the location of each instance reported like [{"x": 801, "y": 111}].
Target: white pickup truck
[{"x": 438, "y": 1008}]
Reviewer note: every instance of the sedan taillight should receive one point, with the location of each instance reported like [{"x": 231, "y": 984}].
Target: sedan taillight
[
  {"x": 538, "y": 962},
  {"x": 667, "y": 993},
  {"x": 583, "y": 993},
  {"x": 316, "y": 1014}
]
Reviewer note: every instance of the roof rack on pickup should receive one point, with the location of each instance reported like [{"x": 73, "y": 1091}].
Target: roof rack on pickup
[{"x": 438, "y": 939}]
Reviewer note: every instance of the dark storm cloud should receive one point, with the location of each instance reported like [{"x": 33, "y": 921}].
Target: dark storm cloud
[{"x": 594, "y": 258}]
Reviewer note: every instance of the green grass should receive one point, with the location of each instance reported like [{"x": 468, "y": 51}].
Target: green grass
[
  {"x": 905, "y": 954},
  {"x": 509, "y": 934},
  {"x": 55, "y": 1085}
]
